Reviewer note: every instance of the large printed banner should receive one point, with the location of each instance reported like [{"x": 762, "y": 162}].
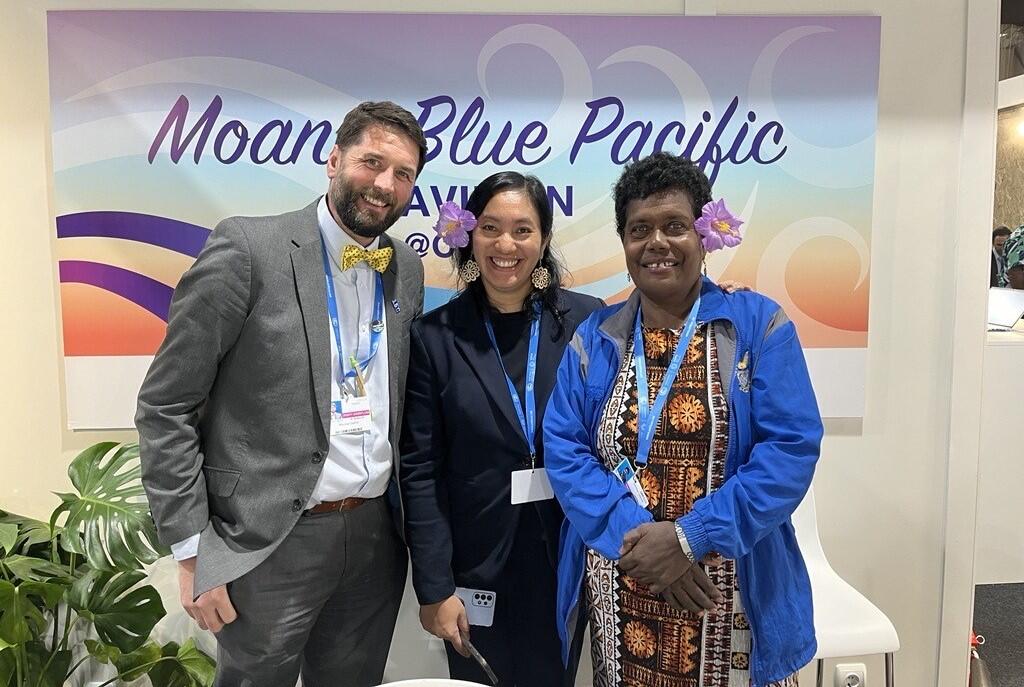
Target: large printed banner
[{"x": 166, "y": 122}]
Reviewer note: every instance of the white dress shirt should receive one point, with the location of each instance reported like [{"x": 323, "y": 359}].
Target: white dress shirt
[{"x": 356, "y": 464}]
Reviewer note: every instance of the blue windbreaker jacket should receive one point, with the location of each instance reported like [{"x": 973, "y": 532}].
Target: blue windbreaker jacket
[{"x": 775, "y": 435}]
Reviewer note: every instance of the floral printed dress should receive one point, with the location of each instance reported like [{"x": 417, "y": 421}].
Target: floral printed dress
[{"x": 638, "y": 640}]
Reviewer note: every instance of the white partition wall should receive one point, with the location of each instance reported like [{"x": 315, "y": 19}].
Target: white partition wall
[
  {"x": 999, "y": 556},
  {"x": 999, "y": 549}
]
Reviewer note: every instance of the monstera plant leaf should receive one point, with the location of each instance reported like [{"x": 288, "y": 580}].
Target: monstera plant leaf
[
  {"x": 8, "y": 663},
  {"x": 20, "y": 618},
  {"x": 33, "y": 569},
  {"x": 20, "y": 534},
  {"x": 187, "y": 667},
  {"x": 46, "y": 668},
  {"x": 130, "y": 667},
  {"x": 49, "y": 593},
  {"x": 169, "y": 665},
  {"x": 8, "y": 537},
  {"x": 104, "y": 653},
  {"x": 109, "y": 512},
  {"x": 123, "y": 613},
  {"x": 31, "y": 533}
]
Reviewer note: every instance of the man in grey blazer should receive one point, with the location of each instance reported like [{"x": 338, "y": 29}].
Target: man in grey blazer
[{"x": 269, "y": 421}]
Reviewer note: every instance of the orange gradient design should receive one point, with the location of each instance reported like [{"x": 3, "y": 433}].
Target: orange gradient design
[
  {"x": 821, "y": 278},
  {"x": 620, "y": 296},
  {"x": 97, "y": 322},
  {"x": 599, "y": 270},
  {"x": 439, "y": 273}
]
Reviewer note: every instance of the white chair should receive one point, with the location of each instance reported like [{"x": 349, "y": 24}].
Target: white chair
[
  {"x": 845, "y": 622},
  {"x": 431, "y": 682}
]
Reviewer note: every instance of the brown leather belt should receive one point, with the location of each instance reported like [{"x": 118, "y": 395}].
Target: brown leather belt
[{"x": 333, "y": 506}]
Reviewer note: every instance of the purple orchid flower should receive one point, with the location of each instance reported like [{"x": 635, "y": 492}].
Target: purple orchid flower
[
  {"x": 718, "y": 227},
  {"x": 454, "y": 224}
]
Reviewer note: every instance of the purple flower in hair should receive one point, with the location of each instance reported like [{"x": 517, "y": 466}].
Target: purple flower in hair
[
  {"x": 454, "y": 224},
  {"x": 718, "y": 227}
]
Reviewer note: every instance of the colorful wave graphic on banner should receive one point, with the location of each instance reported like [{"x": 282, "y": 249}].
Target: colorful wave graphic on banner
[
  {"x": 120, "y": 267},
  {"x": 118, "y": 271}
]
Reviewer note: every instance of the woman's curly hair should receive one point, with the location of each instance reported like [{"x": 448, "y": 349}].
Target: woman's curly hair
[{"x": 657, "y": 173}]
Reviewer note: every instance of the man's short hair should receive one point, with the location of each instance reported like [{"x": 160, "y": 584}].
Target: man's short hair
[
  {"x": 1002, "y": 230},
  {"x": 387, "y": 114}
]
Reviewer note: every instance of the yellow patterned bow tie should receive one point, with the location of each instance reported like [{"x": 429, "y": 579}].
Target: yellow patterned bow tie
[{"x": 376, "y": 259}]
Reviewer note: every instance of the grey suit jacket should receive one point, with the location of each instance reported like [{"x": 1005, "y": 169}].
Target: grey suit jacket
[{"x": 233, "y": 415}]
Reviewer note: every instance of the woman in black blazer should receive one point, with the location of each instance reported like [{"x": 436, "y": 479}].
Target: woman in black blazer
[{"x": 465, "y": 435}]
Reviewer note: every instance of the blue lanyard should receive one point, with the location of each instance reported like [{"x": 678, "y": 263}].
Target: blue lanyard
[
  {"x": 648, "y": 416},
  {"x": 376, "y": 327},
  {"x": 527, "y": 420}
]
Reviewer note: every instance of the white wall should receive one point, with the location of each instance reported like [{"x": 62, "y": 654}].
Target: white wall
[
  {"x": 1000, "y": 539},
  {"x": 882, "y": 483},
  {"x": 999, "y": 545}
]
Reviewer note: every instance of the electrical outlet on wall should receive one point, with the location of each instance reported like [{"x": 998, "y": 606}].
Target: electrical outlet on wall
[{"x": 851, "y": 675}]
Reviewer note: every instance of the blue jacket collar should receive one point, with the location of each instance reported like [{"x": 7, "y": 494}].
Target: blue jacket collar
[{"x": 618, "y": 325}]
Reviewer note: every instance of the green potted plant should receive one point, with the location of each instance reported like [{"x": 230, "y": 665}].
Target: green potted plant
[{"x": 72, "y": 592}]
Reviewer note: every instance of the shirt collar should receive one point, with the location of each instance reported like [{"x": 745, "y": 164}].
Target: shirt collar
[{"x": 336, "y": 237}]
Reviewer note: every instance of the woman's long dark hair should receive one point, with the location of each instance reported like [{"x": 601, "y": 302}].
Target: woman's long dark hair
[{"x": 536, "y": 192}]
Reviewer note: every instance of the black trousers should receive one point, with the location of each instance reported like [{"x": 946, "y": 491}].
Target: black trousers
[{"x": 522, "y": 645}]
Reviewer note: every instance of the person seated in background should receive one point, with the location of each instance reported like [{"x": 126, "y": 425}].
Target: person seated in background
[
  {"x": 681, "y": 435},
  {"x": 1012, "y": 275},
  {"x": 999, "y": 236}
]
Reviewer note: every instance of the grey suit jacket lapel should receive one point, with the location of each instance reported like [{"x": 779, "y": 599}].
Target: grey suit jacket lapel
[
  {"x": 392, "y": 305},
  {"x": 308, "y": 271}
]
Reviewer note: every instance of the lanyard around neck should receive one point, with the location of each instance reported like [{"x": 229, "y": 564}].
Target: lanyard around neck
[
  {"x": 527, "y": 418},
  {"x": 376, "y": 326},
  {"x": 647, "y": 421}
]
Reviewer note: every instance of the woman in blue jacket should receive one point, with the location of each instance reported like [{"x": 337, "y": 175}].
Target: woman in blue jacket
[{"x": 681, "y": 434}]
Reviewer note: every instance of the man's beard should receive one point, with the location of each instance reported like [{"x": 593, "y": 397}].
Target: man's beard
[{"x": 343, "y": 198}]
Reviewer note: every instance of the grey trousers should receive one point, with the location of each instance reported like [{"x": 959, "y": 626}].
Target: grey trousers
[{"x": 323, "y": 604}]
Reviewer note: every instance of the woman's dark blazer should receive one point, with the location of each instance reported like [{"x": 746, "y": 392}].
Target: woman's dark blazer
[{"x": 461, "y": 441}]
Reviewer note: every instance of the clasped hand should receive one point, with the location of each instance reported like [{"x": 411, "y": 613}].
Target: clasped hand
[{"x": 651, "y": 554}]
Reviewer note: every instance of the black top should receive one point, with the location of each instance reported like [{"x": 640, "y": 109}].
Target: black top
[{"x": 512, "y": 330}]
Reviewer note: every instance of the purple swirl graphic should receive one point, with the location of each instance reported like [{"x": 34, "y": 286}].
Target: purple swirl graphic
[
  {"x": 145, "y": 292},
  {"x": 172, "y": 234}
]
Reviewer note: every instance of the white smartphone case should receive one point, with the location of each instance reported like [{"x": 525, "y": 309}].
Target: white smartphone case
[{"x": 479, "y": 605}]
